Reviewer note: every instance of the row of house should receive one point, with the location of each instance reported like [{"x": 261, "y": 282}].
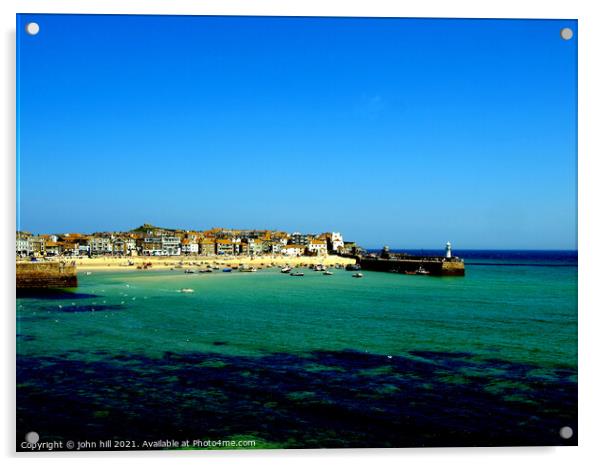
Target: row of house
[{"x": 152, "y": 241}]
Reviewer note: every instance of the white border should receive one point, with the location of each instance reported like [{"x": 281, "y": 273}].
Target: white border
[{"x": 590, "y": 77}]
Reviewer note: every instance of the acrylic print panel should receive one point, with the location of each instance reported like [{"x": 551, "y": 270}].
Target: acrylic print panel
[{"x": 256, "y": 232}]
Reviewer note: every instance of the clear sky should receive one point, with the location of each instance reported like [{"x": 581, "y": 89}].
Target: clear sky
[{"x": 406, "y": 132}]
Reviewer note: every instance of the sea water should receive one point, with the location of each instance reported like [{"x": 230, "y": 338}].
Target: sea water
[{"x": 313, "y": 361}]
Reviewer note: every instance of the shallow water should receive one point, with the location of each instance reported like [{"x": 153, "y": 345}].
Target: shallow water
[{"x": 313, "y": 361}]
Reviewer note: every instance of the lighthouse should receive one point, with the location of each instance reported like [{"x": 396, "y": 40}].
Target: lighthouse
[{"x": 448, "y": 251}]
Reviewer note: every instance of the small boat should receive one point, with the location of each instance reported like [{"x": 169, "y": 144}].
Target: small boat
[
  {"x": 88, "y": 273},
  {"x": 186, "y": 290},
  {"x": 357, "y": 275},
  {"x": 248, "y": 269},
  {"x": 422, "y": 271},
  {"x": 188, "y": 271},
  {"x": 227, "y": 269},
  {"x": 319, "y": 268},
  {"x": 297, "y": 274},
  {"x": 353, "y": 267},
  {"x": 286, "y": 269},
  {"x": 410, "y": 272},
  {"x": 326, "y": 272}
]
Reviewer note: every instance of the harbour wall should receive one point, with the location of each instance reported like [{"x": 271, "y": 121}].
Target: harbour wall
[
  {"x": 40, "y": 275},
  {"x": 435, "y": 266}
]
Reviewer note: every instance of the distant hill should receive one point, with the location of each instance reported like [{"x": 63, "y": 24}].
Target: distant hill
[{"x": 148, "y": 227}]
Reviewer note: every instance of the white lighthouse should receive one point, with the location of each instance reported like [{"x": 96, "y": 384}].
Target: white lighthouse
[{"x": 448, "y": 251}]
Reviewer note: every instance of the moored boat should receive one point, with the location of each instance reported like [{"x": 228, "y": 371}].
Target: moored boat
[
  {"x": 186, "y": 290},
  {"x": 286, "y": 269},
  {"x": 326, "y": 272},
  {"x": 297, "y": 274},
  {"x": 358, "y": 275},
  {"x": 227, "y": 269},
  {"x": 353, "y": 267}
]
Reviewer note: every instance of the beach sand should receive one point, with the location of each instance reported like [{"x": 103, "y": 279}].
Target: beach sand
[{"x": 116, "y": 264}]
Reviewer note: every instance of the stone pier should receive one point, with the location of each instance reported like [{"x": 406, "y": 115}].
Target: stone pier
[
  {"x": 44, "y": 275},
  {"x": 435, "y": 266}
]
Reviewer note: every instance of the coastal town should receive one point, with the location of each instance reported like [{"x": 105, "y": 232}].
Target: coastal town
[
  {"x": 153, "y": 247},
  {"x": 151, "y": 241}
]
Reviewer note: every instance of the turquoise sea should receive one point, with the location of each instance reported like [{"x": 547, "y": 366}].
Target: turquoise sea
[{"x": 307, "y": 362}]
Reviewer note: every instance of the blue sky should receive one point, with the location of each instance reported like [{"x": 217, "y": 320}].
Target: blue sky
[{"x": 406, "y": 132}]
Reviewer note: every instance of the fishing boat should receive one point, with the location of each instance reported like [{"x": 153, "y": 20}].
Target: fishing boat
[
  {"x": 410, "y": 272},
  {"x": 286, "y": 269},
  {"x": 227, "y": 269},
  {"x": 357, "y": 275},
  {"x": 326, "y": 272},
  {"x": 297, "y": 274},
  {"x": 319, "y": 268},
  {"x": 422, "y": 271}
]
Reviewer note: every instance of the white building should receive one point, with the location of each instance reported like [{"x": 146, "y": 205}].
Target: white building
[
  {"x": 293, "y": 250},
  {"x": 337, "y": 241},
  {"x": 255, "y": 246},
  {"x": 275, "y": 247},
  {"x": 119, "y": 246},
  {"x": 190, "y": 247},
  {"x": 23, "y": 246},
  {"x": 83, "y": 248},
  {"x": 37, "y": 245},
  {"x": 131, "y": 246},
  {"x": 170, "y": 246},
  {"x": 100, "y": 245},
  {"x": 318, "y": 247}
]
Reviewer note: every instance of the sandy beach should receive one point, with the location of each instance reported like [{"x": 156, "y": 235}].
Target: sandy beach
[{"x": 86, "y": 264}]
